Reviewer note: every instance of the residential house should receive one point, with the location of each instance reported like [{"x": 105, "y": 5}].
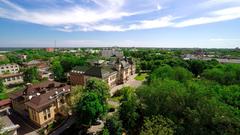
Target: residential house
[
  {"x": 41, "y": 102},
  {"x": 36, "y": 63}
]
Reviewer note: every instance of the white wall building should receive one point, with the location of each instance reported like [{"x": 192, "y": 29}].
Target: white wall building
[{"x": 9, "y": 68}]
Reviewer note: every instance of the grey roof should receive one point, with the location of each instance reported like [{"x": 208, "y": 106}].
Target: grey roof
[
  {"x": 100, "y": 72},
  {"x": 81, "y": 68}
]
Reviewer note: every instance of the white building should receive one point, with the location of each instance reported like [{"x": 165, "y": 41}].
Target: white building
[
  {"x": 11, "y": 79},
  {"x": 9, "y": 68}
]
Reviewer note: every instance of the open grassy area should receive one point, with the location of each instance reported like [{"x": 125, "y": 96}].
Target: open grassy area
[
  {"x": 7, "y": 91},
  {"x": 141, "y": 77},
  {"x": 3, "y": 95}
]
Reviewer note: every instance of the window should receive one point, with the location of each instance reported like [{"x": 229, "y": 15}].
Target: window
[
  {"x": 45, "y": 117},
  {"x": 33, "y": 115},
  {"x": 47, "y": 113},
  {"x": 62, "y": 101}
]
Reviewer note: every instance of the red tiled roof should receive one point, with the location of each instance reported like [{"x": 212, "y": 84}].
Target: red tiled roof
[
  {"x": 5, "y": 102},
  {"x": 10, "y": 75}
]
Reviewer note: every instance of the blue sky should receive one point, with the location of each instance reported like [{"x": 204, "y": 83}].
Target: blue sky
[{"x": 126, "y": 23}]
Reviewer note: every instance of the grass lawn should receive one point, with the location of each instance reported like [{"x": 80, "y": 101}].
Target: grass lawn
[
  {"x": 141, "y": 77},
  {"x": 3, "y": 95}
]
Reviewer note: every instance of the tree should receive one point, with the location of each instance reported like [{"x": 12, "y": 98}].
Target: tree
[
  {"x": 31, "y": 74},
  {"x": 157, "y": 125},
  {"x": 76, "y": 95},
  {"x": 197, "y": 66},
  {"x": 105, "y": 132},
  {"x": 129, "y": 110},
  {"x": 167, "y": 72},
  {"x": 100, "y": 87},
  {"x": 58, "y": 71},
  {"x": 193, "y": 106},
  {"x": 114, "y": 125},
  {"x": 1, "y": 85},
  {"x": 89, "y": 108}
]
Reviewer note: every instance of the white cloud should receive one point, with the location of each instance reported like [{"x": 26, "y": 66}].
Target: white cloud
[
  {"x": 110, "y": 15},
  {"x": 150, "y": 24},
  {"x": 224, "y": 39},
  {"x": 216, "y": 16},
  {"x": 211, "y": 3}
]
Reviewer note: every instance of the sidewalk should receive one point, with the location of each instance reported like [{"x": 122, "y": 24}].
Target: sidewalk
[{"x": 131, "y": 82}]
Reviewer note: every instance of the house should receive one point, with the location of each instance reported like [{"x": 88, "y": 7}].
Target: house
[
  {"x": 12, "y": 79},
  {"x": 35, "y": 63},
  {"x": 45, "y": 73},
  {"x": 114, "y": 73},
  {"x": 9, "y": 68},
  {"x": 42, "y": 102}
]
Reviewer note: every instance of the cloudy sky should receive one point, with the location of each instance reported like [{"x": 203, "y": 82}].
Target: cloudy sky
[{"x": 127, "y": 23}]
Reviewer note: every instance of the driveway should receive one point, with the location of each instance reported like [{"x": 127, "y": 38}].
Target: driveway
[{"x": 131, "y": 82}]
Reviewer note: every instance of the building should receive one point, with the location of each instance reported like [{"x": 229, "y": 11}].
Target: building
[
  {"x": 2, "y": 57},
  {"x": 8, "y": 126},
  {"x": 9, "y": 69},
  {"x": 12, "y": 79},
  {"x": 113, "y": 52},
  {"x": 45, "y": 73},
  {"x": 22, "y": 57},
  {"x": 114, "y": 73},
  {"x": 35, "y": 63},
  {"x": 49, "y": 49},
  {"x": 42, "y": 102}
]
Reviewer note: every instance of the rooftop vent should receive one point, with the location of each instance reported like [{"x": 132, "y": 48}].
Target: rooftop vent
[
  {"x": 30, "y": 97},
  {"x": 50, "y": 97}
]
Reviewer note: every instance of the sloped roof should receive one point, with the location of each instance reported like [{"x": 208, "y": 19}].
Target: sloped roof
[
  {"x": 81, "y": 68},
  {"x": 41, "y": 101},
  {"x": 100, "y": 72}
]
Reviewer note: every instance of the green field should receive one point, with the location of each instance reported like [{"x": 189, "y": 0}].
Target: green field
[{"x": 141, "y": 77}]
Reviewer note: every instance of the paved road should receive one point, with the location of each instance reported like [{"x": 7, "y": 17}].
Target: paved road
[
  {"x": 131, "y": 82},
  {"x": 66, "y": 125}
]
